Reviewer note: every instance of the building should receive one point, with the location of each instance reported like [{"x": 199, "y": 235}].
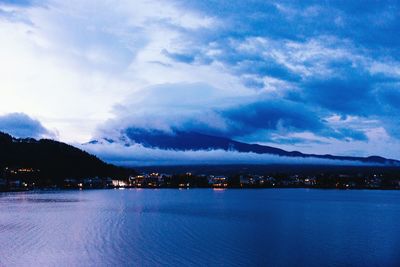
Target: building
[
  {"x": 218, "y": 181},
  {"x": 119, "y": 183}
]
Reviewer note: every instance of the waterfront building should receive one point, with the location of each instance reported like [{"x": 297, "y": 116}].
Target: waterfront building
[{"x": 218, "y": 181}]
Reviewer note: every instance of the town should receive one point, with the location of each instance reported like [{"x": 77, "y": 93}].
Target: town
[{"x": 23, "y": 179}]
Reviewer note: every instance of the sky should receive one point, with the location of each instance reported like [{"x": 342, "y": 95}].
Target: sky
[{"x": 314, "y": 76}]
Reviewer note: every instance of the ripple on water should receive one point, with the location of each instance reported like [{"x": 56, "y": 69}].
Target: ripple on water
[{"x": 172, "y": 228}]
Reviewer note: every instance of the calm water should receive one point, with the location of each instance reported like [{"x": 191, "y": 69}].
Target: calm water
[{"x": 288, "y": 227}]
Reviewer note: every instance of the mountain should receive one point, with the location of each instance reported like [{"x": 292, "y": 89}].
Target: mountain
[
  {"x": 55, "y": 160},
  {"x": 180, "y": 140}
]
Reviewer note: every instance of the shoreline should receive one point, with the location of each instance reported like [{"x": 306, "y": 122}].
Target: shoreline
[{"x": 195, "y": 188}]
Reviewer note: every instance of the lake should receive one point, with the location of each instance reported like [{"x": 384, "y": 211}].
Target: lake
[{"x": 198, "y": 227}]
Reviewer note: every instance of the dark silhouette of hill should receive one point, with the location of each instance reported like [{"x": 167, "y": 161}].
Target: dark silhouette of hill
[{"x": 55, "y": 160}]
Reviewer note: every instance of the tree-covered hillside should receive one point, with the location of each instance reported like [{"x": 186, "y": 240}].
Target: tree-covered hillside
[{"x": 54, "y": 160}]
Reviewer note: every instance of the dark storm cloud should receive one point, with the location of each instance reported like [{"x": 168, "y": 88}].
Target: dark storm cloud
[
  {"x": 21, "y": 125},
  {"x": 329, "y": 69},
  {"x": 270, "y": 115},
  {"x": 180, "y": 57},
  {"x": 283, "y": 116},
  {"x": 334, "y": 56}
]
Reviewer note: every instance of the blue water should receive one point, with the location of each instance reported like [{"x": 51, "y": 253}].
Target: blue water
[{"x": 271, "y": 227}]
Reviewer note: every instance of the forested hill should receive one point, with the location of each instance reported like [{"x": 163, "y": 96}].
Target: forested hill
[{"x": 55, "y": 160}]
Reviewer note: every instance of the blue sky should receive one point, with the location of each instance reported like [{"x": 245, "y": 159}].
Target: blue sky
[{"x": 314, "y": 76}]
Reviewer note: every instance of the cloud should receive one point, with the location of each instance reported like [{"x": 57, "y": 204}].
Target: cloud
[
  {"x": 205, "y": 109},
  {"x": 321, "y": 76},
  {"x": 272, "y": 114},
  {"x": 16, "y": 2},
  {"x": 179, "y": 57},
  {"x": 137, "y": 155},
  {"x": 59, "y": 58},
  {"x": 21, "y": 125},
  {"x": 348, "y": 96}
]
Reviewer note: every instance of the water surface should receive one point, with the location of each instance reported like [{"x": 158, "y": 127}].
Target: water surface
[{"x": 197, "y": 227}]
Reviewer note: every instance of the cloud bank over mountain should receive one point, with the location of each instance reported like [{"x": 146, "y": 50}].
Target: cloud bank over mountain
[
  {"x": 320, "y": 77},
  {"x": 138, "y": 155}
]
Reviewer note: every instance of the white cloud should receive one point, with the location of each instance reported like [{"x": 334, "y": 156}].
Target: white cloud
[
  {"x": 75, "y": 65},
  {"x": 65, "y": 61},
  {"x": 137, "y": 155}
]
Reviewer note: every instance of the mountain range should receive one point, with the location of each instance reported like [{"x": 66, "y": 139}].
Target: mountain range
[{"x": 183, "y": 141}]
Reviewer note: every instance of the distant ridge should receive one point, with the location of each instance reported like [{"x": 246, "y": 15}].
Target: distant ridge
[{"x": 181, "y": 141}]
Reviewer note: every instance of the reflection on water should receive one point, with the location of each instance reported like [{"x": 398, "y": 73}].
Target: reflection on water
[
  {"x": 37, "y": 200},
  {"x": 292, "y": 227}
]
